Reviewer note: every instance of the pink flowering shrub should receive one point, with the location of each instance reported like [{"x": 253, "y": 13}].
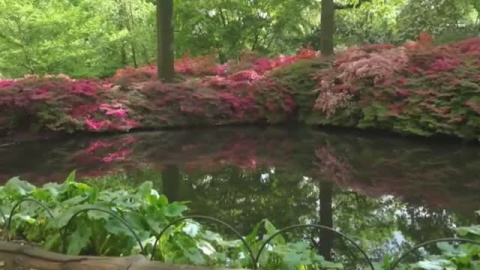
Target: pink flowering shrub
[
  {"x": 417, "y": 89},
  {"x": 354, "y": 69}
]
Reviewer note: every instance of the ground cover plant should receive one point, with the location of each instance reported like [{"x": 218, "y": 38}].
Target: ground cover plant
[{"x": 147, "y": 213}]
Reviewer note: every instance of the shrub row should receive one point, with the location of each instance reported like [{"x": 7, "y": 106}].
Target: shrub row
[{"x": 416, "y": 89}]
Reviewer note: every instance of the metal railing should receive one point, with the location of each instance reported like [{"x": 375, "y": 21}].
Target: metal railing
[{"x": 255, "y": 257}]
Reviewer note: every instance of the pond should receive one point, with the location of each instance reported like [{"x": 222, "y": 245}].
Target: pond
[{"x": 391, "y": 192}]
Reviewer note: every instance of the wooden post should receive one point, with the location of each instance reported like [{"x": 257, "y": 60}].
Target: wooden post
[{"x": 23, "y": 257}]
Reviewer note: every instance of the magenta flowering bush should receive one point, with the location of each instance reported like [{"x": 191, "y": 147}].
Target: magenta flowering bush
[
  {"x": 133, "y": 98},
  {"x": 416, "y": 89}
]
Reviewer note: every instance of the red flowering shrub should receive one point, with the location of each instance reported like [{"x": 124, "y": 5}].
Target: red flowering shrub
[
  {"x": 207, "y": 66},
  {"x": 130, "y": 74},
  {"x": 197, "y": 66}
]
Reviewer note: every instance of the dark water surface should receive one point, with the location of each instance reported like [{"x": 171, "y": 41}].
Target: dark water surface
[{"x": 391, "y": 191}]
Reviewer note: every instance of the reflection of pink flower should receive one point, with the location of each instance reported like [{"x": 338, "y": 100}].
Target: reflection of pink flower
[
  {"x": 97, "y": 145},
  {"x": 125, "y": 125},
  {"x": 117, "y": 156}
]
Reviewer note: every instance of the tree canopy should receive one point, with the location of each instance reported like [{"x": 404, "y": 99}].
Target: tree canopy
[{"x": 93, "y": 38}]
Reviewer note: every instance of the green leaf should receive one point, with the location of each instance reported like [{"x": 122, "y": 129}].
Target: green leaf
[
  {"x": 446, "y": 247},
  {"x": 206, "y": 247},
  {"x": 96, "y": 215},
  {"x": 271, "y": 230},
  {"x": 145, "y": 189},
  {"x": 53, "y": 189},
  {"x": 79, "y": 239},
  {"x": 190, "y": 250},
  {"x": 438, "y": 264},
  {"x": 74, "y": 201},
  {"x": 62, "y": 218},
  {"x": 114, "y": 226},
  {"x": 332, "y": 265},
  {"x": 71, "y": 177},
  {"x": 52, "y": 242},
  {"x": 15, "y": 187},
  {"x": 174, "y": 210},
  {"x": 463, "y": 231}
]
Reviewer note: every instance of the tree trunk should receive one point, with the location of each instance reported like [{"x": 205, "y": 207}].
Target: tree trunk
[
  {"x": 165, "y": 46},
  {"x": 327, "y": 27}
]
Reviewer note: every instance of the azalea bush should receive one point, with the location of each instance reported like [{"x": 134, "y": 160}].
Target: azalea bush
[
  {"x": 416, "y": 89},
  {"x": 209, "y": 94}
]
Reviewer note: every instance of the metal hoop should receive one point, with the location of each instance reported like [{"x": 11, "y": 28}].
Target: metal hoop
[
  {"x": 209, "y": 219},
  {"x": 64, "y": 232},
  {"x": 8, "y": 224},
  {"x": 312, "y": 226},
  {"x": 460, "y": 240}
]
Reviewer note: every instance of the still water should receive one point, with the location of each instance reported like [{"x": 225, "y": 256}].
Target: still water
[{"x": 388, "y": 192}]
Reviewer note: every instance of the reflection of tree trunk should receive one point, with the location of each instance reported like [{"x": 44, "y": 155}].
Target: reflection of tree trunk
[
  {"x": 326, "y": 219},
  {"x": 171, "y": 178}
]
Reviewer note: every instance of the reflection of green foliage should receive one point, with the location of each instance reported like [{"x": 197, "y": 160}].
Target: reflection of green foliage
[
  {"x": 189, "y": 242},
  {"x": 245, "y": 197},
  {"x": 96, "y": 233}
]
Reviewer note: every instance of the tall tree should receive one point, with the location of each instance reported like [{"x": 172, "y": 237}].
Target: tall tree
[{"x": 165, "y": 46}]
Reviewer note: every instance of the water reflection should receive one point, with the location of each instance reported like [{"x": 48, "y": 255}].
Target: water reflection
[{"x": 387, "y": 192}]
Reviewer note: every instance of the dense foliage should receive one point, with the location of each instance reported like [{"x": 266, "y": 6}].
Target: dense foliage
[
  {"x": 92, "y": 38},
  {"x": 147, "y": 212},
  {"x": 414, "y": 89},
  {"x": 239, "y": 93}
]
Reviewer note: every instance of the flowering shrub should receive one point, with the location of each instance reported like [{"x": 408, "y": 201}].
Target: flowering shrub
[
  {"x": 416, "y": 89},
  {"x": 207, "y": 66},
  {"x": 368, "y": 65}
]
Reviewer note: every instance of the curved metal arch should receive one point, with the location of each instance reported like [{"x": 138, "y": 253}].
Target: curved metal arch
[
  {"x": 12, "y": 212},
  {"x": 123, "y": 221},
  {"x": 404, "y": 255},
  {"x": 157, "y": 239},
  {"x": 257, "y": 258}
]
